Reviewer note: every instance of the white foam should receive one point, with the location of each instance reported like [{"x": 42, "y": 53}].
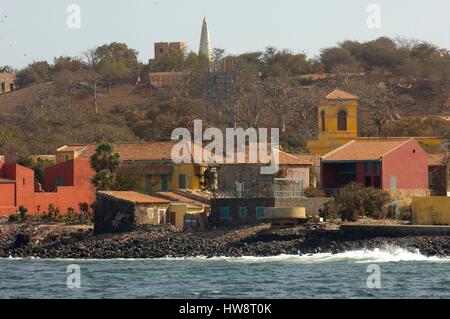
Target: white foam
[
  {"x": 378, "y": 255},
  {"x": 387, "y": 254}
]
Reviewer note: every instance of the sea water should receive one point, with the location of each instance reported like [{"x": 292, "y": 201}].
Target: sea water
[{"x": 397, "y": 273}]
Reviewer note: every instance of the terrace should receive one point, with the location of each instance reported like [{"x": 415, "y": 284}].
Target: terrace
[{"x": 265, "y": 188}]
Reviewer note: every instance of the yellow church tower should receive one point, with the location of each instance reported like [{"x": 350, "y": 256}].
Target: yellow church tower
[{"x": 337, "y": 122}]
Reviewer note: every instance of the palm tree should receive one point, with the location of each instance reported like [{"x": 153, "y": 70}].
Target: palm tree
[{"x": 105, "y": 162}]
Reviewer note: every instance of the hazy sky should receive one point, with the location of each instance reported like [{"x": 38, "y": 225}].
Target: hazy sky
[{"x": 37, "y": 30}]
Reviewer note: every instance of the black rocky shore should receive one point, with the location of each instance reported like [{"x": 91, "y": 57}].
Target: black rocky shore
[{"x": 31, "y": 240}]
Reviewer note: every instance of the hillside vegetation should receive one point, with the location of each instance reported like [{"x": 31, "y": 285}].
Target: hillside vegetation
[{"x": 96, "y": 97}]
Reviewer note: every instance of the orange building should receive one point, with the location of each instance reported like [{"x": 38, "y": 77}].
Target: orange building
[
  {"x": 66, "y": 186},
  {"x": 7, "y": 82},
  {"x": 163, "y": 48}
]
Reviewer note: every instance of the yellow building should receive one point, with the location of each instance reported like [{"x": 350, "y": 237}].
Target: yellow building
[
  {"x": 337, "y": 119},
  {"x": 431, "y": 210},
  {"x": 178, "y": 212},
  {"x": 69, "y": 153},
  {"x": 150, "y": 165},
  {"x": 338, "y": 125}
]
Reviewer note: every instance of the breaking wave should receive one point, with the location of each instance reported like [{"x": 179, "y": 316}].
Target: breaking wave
[{"x": 386, "y": 254}]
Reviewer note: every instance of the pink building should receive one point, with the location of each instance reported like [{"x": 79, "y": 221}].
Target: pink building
[{"x": 392, "y": 165}]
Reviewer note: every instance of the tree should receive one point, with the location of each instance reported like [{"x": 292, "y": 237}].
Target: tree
[
  {"x": 36, "y": 72},
  {"x": 116, "y": 60},
  {"x": 111, "y": 69},
  {"x": 120, "y": 53},
  {"x": 7, "y": 69},
  {"x": 92, "y": 62},
  {"x": 105, "y": 162},
  {"x": 333, "y": 58},
  {"x": 281, "y": 99},
  {"x": 209, "y": 181},
  {"x": 68, "y": 75}
]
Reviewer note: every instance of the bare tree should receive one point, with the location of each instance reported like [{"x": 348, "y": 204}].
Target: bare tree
[
  {"x": 281, "y": 98},
  {"x": 92, "y": 61}
]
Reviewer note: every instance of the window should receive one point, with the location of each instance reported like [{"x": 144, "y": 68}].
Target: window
[
  {"x": 23, "y": 181},
  {"x": 58, "y": 181},
  {"x": 342, "y": 120},
  {"x": 260, "y": 213},
  {"x": 368, "y": 168},
  {"x": 243, "y": 212},
  {"x": 148, "y": 184},
  {"x": 322, "y": 119},
  {"x": 225, "y": 213},
  {"x": 377, "y": 167},
  {"x": 3, "y": 87},
  {"x": 393, "y": 183},
  {"x": 182, "y": 181},
  {"x": 165, "y": 183}
]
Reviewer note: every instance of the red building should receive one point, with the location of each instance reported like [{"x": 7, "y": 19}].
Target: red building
[
  {"x": 392, "y": 165},
  {"x": 65, "y": 186}
]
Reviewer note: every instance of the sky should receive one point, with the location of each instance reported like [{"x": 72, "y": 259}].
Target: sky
[{"x": 38, "y": 30}]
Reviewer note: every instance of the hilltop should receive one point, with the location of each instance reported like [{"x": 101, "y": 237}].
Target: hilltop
[{"x": 404, "y": 90}]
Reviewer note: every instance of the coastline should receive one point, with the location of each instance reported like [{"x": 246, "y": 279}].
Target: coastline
[{"x": 79, "y": 242}]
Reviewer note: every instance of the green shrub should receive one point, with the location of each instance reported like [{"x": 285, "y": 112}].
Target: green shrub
[
  {"x": 13, "y": 218},
  {"x": 373, "y": 201},
  {"x": 23, "y": 213},
  {"x": 53, "y": 213},
  {"x": 330, "y": 211},
  {"x": 406, "y": 213},
  {"x": 354, "y": 201}
]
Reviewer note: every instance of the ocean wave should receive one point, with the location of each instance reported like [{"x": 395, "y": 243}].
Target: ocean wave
[{"x": 387, "y": 254}]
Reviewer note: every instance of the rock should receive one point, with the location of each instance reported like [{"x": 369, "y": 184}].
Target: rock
[{"x": 20, "y": 241}]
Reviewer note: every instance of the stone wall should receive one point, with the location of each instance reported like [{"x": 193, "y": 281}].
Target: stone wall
[
  {"x": 150, "y": 214},
  {"x": 115, "y": 215},
  {"x": 312, "y": 206},
  {"x": 235, "y": 204}
]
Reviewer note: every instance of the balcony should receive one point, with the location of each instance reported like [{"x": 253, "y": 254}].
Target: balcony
[{"x": 265, "y": 188}]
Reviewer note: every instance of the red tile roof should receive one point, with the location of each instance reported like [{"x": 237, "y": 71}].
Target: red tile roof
[
  {"x": 313, "y": 158},
  {"x": 162, "y": 151},
  {"x": 150, "y": 151},
  {"x": 181, "y": 199},
  {"x": 341, "y": 95},
  {"x": 363, "y": 150},
  {"x": 284, "y": 158},
  {"x": 135, "y": 197}
]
